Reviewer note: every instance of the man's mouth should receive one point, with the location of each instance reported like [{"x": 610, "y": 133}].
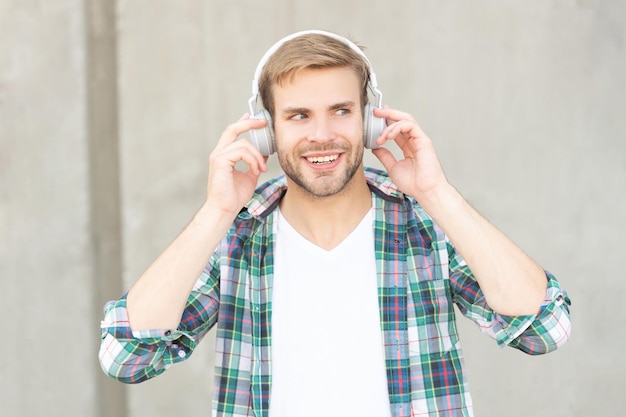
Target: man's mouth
[{"x": 326, "y": 159}]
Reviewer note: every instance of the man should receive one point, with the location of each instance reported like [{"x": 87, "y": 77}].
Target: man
[{"x": 333, "y": 288}]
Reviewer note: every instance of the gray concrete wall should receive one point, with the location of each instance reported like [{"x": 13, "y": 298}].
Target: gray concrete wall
[{"x": 108, "y": 111}]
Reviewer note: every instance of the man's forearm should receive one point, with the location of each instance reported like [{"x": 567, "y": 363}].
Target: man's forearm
[
  {"x": 513, "y": 284},
  {"x": 158, "y": 298}
]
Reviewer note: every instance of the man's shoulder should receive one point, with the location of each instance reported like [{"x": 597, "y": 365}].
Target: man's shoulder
[
  {"x": 390, "y": 195},
  {"x": 265, "y": 198}
]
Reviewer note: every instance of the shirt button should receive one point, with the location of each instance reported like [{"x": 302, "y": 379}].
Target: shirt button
[
  {"x": 182, "y": 353},
  {"x": 168, "y": 332}
]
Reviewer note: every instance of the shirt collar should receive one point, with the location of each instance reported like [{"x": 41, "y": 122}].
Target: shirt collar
[{"x": 268, "y": 195}]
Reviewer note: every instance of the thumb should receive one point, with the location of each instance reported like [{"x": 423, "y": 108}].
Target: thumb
[{"x": 385, "y": 157}]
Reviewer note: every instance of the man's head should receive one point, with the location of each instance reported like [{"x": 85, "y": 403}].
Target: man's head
[{"x": 310, "y": 51}]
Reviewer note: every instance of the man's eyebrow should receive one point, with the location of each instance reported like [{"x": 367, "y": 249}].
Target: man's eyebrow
[
  {"x": 348, "y": 104},
  {"x": 294, "y": 110}
]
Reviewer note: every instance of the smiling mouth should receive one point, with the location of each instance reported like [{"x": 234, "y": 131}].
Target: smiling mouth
[{"x": 327, "y": 159}]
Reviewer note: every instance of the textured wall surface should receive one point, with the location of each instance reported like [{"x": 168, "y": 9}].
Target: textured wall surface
[{"x": 109, "y": 109}]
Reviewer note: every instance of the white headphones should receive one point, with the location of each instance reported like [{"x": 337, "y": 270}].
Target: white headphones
[{"x": 263, "y": 138}]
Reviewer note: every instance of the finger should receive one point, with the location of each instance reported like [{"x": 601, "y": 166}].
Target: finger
[
  {"x": 260, "y": 161},
  {"x": 401, "y": 127},
  {"x": 227, "y": 146},
  {"x": 392, "y": 115},
  {"x": 385, "y": 157},
  {"x": 402, "y": 130},
  {"x": 251, "y": 155},
  {"x": 395, "y": 130},
  {"x": 254, "y": 163},
  {"x": 239, "y": 152},
  {"x": 243, "y": 125}
]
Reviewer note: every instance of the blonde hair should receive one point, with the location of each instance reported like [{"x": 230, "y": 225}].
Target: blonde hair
[{"x": 310, "y": 51}]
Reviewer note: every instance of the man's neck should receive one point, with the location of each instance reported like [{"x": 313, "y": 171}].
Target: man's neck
[{"x": 326, "y": 221}]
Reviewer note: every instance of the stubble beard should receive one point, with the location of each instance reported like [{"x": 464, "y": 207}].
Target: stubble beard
[{"x": 322, "y": 184}]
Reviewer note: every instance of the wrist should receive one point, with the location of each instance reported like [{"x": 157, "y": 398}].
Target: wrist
[
  {"x": 442, "y": 197},
  {"x": 211, "y": 217}
]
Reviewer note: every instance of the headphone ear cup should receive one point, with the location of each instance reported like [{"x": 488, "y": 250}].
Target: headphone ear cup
[
  {"x": 373, "y": 126},
  {"x": 263, "y": 139}
]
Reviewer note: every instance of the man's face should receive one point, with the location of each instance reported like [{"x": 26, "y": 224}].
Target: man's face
[{"x": 318, "y": 125}]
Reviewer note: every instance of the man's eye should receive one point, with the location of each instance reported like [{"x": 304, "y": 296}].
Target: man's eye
[
  {"x": 299, "y": 116},
  {"x": 343, "y": 112}
]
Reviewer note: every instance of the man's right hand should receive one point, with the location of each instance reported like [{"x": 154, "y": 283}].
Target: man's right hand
[{"x": 229, "y": 189}]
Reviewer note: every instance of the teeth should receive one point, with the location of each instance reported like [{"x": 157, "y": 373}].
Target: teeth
[{"x": 323, "y": 159}]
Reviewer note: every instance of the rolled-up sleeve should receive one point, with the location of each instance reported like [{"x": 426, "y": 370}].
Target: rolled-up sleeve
[
  {"x": 534, "y": 334},
  {"x": 135, "y": 356},
  {"x": 539, "y": 333}
]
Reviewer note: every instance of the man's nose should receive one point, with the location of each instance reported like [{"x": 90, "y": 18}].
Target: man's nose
[{"x": 321, "y": 129}]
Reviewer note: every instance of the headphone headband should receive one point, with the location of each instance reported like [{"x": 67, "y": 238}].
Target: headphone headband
[{"x": 259, "y": 69}]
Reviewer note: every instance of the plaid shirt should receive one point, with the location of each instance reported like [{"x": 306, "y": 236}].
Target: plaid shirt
[{"x": 420, "y": 279}]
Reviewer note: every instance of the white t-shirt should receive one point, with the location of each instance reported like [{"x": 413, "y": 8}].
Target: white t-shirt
[{"x": 327, "y": 350}]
